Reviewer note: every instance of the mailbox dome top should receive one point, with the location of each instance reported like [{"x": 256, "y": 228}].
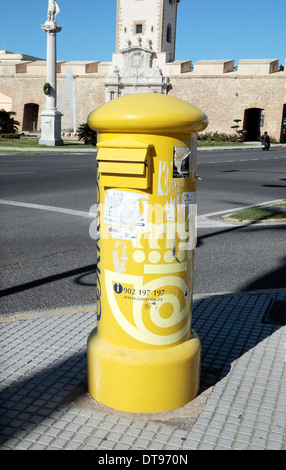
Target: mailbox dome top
[{"x": 147, "y": 112}]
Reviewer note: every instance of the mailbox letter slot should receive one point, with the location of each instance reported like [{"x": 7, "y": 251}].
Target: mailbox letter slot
[{"x": 124, "y": 163}]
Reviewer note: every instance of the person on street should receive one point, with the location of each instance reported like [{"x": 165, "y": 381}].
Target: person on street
[{"x": 265, "y": 139}]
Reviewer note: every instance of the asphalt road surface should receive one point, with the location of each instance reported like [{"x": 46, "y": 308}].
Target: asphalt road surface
[{"x": 48, "y": 257}]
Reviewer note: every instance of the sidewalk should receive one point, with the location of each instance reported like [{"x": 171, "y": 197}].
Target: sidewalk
[
  {"x": 82, "y": 149},
  {"x": 249, "y": 145},
  {"x": 63, "y": 149},
  {"x": 241, "y": 404}
]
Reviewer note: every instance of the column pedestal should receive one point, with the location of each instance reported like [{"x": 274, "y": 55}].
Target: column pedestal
[{"x": 51, "y": 128}]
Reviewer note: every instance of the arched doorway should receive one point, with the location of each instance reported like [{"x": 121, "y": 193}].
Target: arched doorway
[
  {"x": 30, "y": 117},
  {"x": 252, "y": 123}
]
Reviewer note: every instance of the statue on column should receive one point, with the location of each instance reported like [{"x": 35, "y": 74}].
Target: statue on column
[
  {"x": 50, "y": 117},
  {"x": 53, "y": 10}
]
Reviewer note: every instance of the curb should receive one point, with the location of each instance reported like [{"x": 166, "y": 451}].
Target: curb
[
  {"x": 237, "y": 147},
  {"x": 47, "y": 150},
  {"x": 83, "y": 150},
  {"x": 245, "y": 221},
  {"x": 249, "y": 221},
  {"x": 71, "y": 310}
]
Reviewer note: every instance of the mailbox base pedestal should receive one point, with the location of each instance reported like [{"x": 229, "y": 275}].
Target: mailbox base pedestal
[{"x": 143, "y": 381}]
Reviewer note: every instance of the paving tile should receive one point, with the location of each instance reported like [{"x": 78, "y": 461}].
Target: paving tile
[{"x": 245, "y": 409}]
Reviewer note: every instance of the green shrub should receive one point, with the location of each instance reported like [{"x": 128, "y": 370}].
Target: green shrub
[
  {"x": 218, "y": 137},
  {"x": 7, "y": 122},
  {"x": 9, "y": 136},
  {"x": 86, "y": 134}
]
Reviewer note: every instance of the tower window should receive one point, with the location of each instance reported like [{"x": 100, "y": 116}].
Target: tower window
[
  {"x": 139, "y": 29},
  {"x": 169, "y": 33}
]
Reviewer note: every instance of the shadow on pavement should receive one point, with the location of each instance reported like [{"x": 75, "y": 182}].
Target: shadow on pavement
[
  {"x": 46, "y": 280},
  {"x": 43, "y": 384}
]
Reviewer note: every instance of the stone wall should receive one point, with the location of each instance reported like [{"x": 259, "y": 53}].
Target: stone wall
[
  {"x": 23, "y": 89},
  {"x": 226, "y": 97},
  {"x": 222, "y": 91},
  {"x": 90, "y": 95}
]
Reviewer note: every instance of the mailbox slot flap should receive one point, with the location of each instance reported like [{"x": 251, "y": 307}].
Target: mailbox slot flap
[
  {"x": 121, "y": 158},
  {"x": 122, "y": 161}
]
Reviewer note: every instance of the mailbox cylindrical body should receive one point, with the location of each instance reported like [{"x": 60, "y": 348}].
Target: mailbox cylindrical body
[{"x": 143, "y": 356}]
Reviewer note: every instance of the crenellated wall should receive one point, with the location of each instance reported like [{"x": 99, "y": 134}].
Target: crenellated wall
[
  {"x": 226, "y": 94},
  {"x": 251, "y": 91}
]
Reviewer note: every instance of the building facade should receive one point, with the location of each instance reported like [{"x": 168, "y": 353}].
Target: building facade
[
  {"x": 253, "y": 91},
  {"x": 154, "y": 21}
]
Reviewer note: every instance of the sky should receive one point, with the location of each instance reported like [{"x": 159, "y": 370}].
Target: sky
[{"x": 209, "y": 29}]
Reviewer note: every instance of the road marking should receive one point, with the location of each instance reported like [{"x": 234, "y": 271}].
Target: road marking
[
  {"x": 70, "y": 169},
  {"x": 203, "y": 221},
  {"x": 61, "y": 210},
  {"x": 17, "y": 173},
  {"x": 14, "y": 161}
]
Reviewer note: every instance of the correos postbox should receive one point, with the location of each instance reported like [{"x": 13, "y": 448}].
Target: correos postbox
[{"x": 143, "y": 355}]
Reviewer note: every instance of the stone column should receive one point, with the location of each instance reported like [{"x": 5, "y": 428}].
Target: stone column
[{"x": 50, "y": 117}]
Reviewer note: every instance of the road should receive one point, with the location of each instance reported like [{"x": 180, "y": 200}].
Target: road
[
  {"x": 235, "y": 178},
  {"x": 48, "y": 258},
  {"x": 233, "y": 259}
]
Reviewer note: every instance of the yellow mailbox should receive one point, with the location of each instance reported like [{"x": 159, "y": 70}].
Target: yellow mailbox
[{"x": 143, "y": 355}]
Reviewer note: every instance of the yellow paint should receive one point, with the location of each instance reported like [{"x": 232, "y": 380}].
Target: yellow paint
[
  {"x": 148, "y": 112},
  {"x": 124, "y": 158},
  {"x": 138, "y": 381},
  {"x": 143, "y": 356}
]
